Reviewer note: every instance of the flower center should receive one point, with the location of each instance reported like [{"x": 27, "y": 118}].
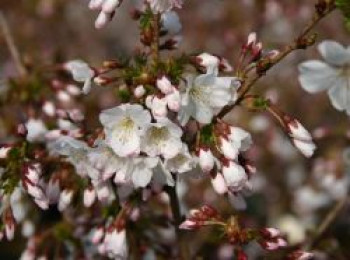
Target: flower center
[
  {"x": 158, "y": 135},
  {"x": 198, "y": 93}
]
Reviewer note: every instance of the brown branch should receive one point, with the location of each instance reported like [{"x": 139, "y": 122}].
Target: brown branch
[
  {"x": 11, "y": 45},
  {"x": 283, "y": 54},
  {"x": 326, "y": 223}
]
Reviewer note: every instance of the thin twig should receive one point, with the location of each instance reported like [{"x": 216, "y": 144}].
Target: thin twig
[
  {"x": 287, "y": 50},
  {"x": 326, "y": 223},
  {"x": 175, "y": 209},
  {"x": 11, "y": 45}
]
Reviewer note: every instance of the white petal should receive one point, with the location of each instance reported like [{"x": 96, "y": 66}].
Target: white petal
[
  {"x": 339, "y": 94},
  {"x": 203, "y": 114},
  {"x": 123, "y": 142},
  {"x": 334, "y": 53},
  {"x": 316, "y": 76},
  {"x": 141, "y": 177}
]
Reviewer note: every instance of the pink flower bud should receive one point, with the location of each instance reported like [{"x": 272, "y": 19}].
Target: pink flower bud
[
  {"x": 49, "y": 109},
  {"x": 65, "y": 199},
  {"x": 228, "y": 150},
  {"x": 89, "y": 196},
  {"x": 139, "y": 91},
  {"x": 300, "y": 255},
  {"x": 174, "y": 100},
  {"x": 4, "y": 151},
  {"x": 206, "y": 159},
  {"x": 219, "y": 184},
  {"x": 97, "y": 235},
  {"x": 109, "y": 6},
  {"x": 159, "y": 107},
  {"x": 73, "y": 90},
  {"x": 188, "y": 225},
  {"x": 164, "y": 85},
  {"x": 271, "y": 232}
]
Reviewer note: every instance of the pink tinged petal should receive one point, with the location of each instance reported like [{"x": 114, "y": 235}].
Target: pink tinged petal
[
  {"x": 281, "y": 242},
  {"x": 42, "y": 203},
  {"x": 159, "y": 107},
  {"x": 89, "y": 197},
  {"x": 306, "y": 148},
  {"x": 96, "y": 4},
  {"x": 228, "y": 150},
  {"x": 97, "y": 235},
  {"x": 49, "y": 108},
  {"x": 298, "y": 131},
  {"x": 65, "y": 199},
  {"x": 188, "y": 225},
  {"x": 334, "y": 53},
  {"x": 139, "y": 91},
  {"x": 174, "y": 101},
  {"x": 206, "y": 160},
  {"x": 235, "y": 176},
  {"x": 4, "y": 151},
  {"x": 164, "y": 85},
  {"x": 109, "y": 6},
  {"x": 219, "y": 184},
  {"x": 102, "y": 19},
  {"x": 10, "y": 231},
  {"x": 316, "y": 76}
]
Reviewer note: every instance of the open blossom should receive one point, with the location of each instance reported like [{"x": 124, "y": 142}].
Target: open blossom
[
  {"x": 181, "y": 163},
  {"x": 162, "y": 138},
  {"x": 235, "y": 176},
  {"x": 124, "y": 126},
  {"x": 203, "y": 95},
  {"x": 332, "y": 75},
  {"x": 161, "y": 6},
  {"x": 76, "y": 152},
  {"x": 81, "y": 72}
]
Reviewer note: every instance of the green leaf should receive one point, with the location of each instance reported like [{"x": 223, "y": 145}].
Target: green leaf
[{"x": 344, "y": 6}]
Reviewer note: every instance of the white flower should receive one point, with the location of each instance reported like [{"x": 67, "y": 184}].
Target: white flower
[
  {"x": 203, "y": 95},
  {"x": 332, "y": 75},
  {"x": 238, "y": 140},
  {"x": 161, "y": 6},
  {"x": 162, "y": 138},
  {"x": 116, "y": 244},
  {"x": 235, "y": 176},
  {"x": 124, "y": 126},
  {"x": 183, "y": 162},
  {"x": 81, "y": 72},
  {"x": 77, "y": 154},
  {"x": 49, "y": 108},
  {"x": 171, "y": 23},
  {"x": 36, "y": 130}
]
